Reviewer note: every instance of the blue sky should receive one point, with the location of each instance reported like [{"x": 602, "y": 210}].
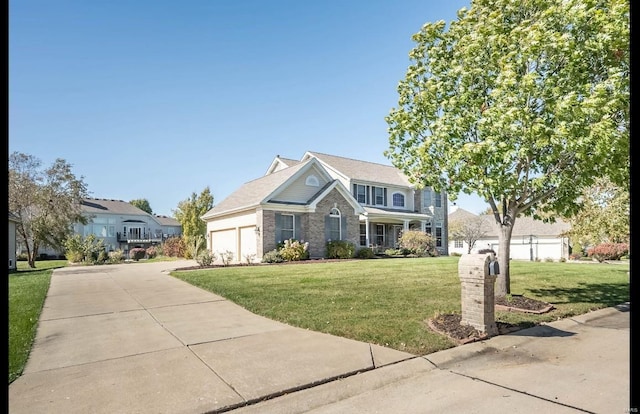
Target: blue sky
[{"x": 160, "y": 99}]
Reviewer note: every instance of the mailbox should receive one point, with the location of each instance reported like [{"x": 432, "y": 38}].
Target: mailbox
[{"x": 494, "y": 268}]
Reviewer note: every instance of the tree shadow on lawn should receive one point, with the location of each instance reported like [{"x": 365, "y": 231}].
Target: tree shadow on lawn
[{"x": 609, "y": 294}]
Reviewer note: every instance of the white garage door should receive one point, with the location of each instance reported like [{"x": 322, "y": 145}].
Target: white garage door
[
  {"x": 224, "y": 240},
  {"x": 247, "y": 243}
]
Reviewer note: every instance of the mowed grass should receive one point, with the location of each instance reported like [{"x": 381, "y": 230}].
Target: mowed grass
[
  {"x": 27, "y": 291},
  {"x": 388, "y": 301}
]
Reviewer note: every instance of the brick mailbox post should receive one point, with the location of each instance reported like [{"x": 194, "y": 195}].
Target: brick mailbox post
[{"x": 478, "y": 302}]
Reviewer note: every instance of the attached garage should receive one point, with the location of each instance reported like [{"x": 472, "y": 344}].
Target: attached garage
[
  {"x": 240, "y": 241},
  {"x": 224, "y": 240}
]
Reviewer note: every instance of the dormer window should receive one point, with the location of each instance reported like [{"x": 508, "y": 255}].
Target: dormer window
[{"x": 312, "y": 181}]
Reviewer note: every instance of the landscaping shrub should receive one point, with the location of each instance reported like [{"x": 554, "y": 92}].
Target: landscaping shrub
[
  {"x": 87, "y": 250},
  {"x": 137, "y": 253},
  {"x": 206, "y": 258},
  {"x": 485, "y": 251},
  {"x": 340, "y": 249},
  {"x": 116, "y": 256},
  {"x": 608, "y": 251},
  {"x": 293, "y": 250},
  {"x": 272, "y": 256},
  {"x": 226, "y": 257},
  {"x": 152, "y": 252},
  {"x": 418, "y": 242},
  {"x": 173, "y": 247},
  {"x": 365, "y": 253}
]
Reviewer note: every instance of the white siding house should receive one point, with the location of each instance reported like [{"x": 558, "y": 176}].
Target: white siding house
[{"x": 531, "y": 239}]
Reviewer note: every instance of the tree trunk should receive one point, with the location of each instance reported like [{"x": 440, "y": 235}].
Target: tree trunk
[{"x": 503, "y": 281}]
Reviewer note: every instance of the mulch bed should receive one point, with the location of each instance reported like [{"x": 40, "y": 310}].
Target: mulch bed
[{"x": 450, "y": 324}]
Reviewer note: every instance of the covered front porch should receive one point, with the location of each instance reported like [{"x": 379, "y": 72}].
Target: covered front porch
[{"x": 383, "y": 230}]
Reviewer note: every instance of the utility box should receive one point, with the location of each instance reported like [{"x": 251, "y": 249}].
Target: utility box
[{"x": 478, "y": 285}]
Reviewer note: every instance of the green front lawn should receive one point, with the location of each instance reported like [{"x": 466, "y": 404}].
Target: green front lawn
[
  {"x": 27, "y": 291},
  {"x": 387, "y": 301}
]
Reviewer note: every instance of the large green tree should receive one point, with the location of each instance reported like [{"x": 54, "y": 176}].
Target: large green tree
[
  {"x": 524, "y": 103},
  {"x": 47, "y": 202},
  {"x": 189, "y": 212},
  {"x": 142, "y": 204},
  {"x": 605, "y": 217}
]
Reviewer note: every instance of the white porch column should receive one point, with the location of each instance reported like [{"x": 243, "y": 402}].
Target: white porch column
[
  {"x": 406, "y": 225},
  {"x": 366, "y": 231},
  {"x": 423, "y": 225}
]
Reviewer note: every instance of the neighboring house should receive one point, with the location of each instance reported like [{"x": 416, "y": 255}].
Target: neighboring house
[
  {"x": 122, "y": 226},
  {"x": 319, "y": 198},
  {"x": 531, "y": 239},
  {"x": 13, "y": 221}
]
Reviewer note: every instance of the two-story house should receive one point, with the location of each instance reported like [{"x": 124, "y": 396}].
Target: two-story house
[{"x": 319, "y": 198}]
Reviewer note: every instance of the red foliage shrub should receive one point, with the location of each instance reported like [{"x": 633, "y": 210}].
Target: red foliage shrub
[
  {"x": 608, "y": 251},
  {"x": 137, "y": 253},
  {"x": 173, "y": 247}
]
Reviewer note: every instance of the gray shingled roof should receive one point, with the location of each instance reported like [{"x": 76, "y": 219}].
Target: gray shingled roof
[
  {"x": 461, "y": 214},
  {"x": 252, "y": 193},
  {"x": 524, "y": 226},
  {"x": 13, "y": 217},
  {"x": 166, "y": 221},
  {"x": 98, "y": 205},
  {"x": 364, "y": 170}
]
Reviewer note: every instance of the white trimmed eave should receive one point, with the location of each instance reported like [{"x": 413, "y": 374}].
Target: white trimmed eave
[
  {"x": 337, "y": 184},
  {"x": 394, "y": 215},
  {"x": 309, "y": 165},
  {"x": 208, "y": 217}
]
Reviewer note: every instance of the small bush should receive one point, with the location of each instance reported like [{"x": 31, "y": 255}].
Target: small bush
[
  {"x": 576, "y": 256},
  {"x": 116, "y": 256},
  {"x": 226, "y": 257},
  {"x": 205, "y": 258},
  {"x": 137, "y": 253},
  {"x": 455, "y": 254},
  {"x": 250, "y": 258},
  {"x": 417, "y": 242},
  {"x": 293, "y": 250},
  {"x": 548, "y": 259},
  {"x": 365, "y": 253},
  {"x": 152, "y": 252},
  {"x": 272, "y": 256},
  {"x": 608, "y": 251},
  {"x": 340, "y": 249}
]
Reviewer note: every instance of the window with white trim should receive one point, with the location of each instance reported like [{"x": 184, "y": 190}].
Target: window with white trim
[
  {"x": 335, "y": 231},
  {"x": 361, "y": 193},
  {"x": 379, "y": 196},
  {"x": 363, "y": 234},
  {"x": 438, "y": 200},
  {"x": 288, "y": 226},
  {"x": 380, "y": 234},
  {"x": 458, "y": 244},
  {"x": 438, "y": 234},
  {"x": 398, "y": 200}
]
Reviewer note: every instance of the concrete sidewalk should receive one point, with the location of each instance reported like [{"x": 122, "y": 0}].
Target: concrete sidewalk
[{"x": 132, "y": 339}]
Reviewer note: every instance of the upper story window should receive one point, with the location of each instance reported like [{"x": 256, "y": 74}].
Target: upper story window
[
  {"x": 438, "y": 199},
  {"x": 312, "y": 181},
  {"x": 360, "y": 193},
  {"x": 426, "y": 197},
  {"x": 378, "y": 196},
  {"x": 398, "y": 200}
]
